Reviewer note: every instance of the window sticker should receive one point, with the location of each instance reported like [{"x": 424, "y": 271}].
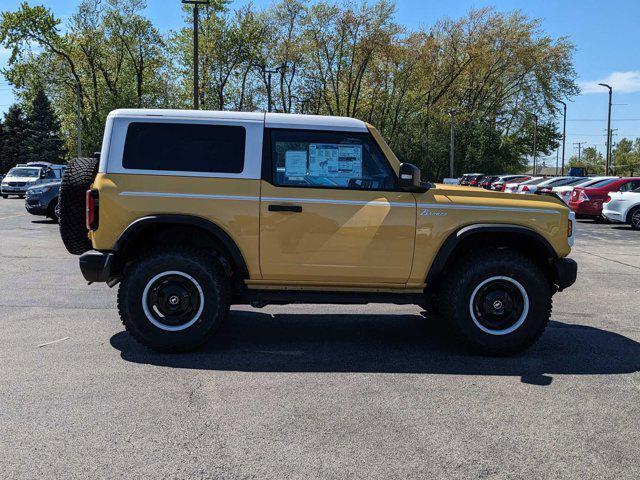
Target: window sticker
[
  {"x": 335, "y": 160},
  {"x": 295, "y": 163}
]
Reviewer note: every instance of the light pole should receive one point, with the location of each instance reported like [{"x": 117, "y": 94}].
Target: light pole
[
  {"x": 608, "y": 161},
  {"x": 535, "y": 142},
  {"x": 196, "y": 4},
  {"x": 564, "y": 132},
  {"x": 452, "y": 113}
]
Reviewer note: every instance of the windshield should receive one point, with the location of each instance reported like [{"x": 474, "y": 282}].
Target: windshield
[
  {"x": 573, "y": 181},
  {"x": 591, "y": 181},
  {"x": 534, "y": 181},
  {"x": 24, "y": 172},
  {"x": 603, "y": 183}
]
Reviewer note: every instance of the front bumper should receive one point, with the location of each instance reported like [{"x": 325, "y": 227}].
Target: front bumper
[
  {"x": 36, "y": 210},
  {"x": 97, "y": 266},
  {"x": 13, "y": 190},
  {"x": 565, "y": 272},
  {"x": 613, "y": 216}
]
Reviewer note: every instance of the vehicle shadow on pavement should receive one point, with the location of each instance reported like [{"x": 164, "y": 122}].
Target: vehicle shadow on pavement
[{"x": 258, "y": 342}]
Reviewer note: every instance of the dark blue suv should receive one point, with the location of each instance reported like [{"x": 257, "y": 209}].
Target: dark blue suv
[{"x": 43, "y": 200}]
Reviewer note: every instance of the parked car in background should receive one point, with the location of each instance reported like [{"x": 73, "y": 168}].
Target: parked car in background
[
  {"x": 623, "y": 207},
  {"x": 502, "y": 181},
  {"x": 471, "y": 179},
  {"x": 512, "y": 187},
  {"x": 543, "y": 189},
  {"x": 587, "y": 202},
  {"x": 564, "y": 192},
  {"x": 21, "y": 177},
  {"x": 486, "y": 181},
  {"x": 548, "y": 183},
  {"x": 43, "y": 200}
]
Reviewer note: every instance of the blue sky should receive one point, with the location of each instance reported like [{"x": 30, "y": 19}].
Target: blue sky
[{"x": 606, "y": 35}]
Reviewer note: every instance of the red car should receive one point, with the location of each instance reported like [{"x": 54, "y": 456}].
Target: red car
[{"x": 587, "y": 201}]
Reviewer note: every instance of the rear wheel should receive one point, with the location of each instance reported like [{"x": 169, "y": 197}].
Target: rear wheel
[
  {"x": 5, "y": 196},
  {"x": 499, "y": 303},
  {"x": 77, "y": 179},
  {"x": 173, "y": 301},
  {"x": 634, "y": 218}
]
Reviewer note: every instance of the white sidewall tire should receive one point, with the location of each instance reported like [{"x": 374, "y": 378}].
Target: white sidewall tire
[
  {"x": 162, "y": 326},
  {"x": 521, "y": 319}
]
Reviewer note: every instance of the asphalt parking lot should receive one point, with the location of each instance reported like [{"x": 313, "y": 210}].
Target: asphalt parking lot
[{"x": 313, "y": 391}]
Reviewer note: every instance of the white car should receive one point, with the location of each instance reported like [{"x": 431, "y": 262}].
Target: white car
[
  {"x": 564, "y": 192},
  {"x": 513, "y": 187},
  {"x": 623, "y": 207},
  {"x": 549, "y": 183}
]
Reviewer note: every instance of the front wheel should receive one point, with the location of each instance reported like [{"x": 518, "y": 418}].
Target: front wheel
[
  {"x": 173, "y": 301},
  {"x": 499, "y": 302}
]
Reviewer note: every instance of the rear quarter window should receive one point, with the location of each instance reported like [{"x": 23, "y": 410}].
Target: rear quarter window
[{"x": 184, "y": 147}]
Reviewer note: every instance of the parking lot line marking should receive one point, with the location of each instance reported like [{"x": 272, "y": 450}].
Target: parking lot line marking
[
  {"x": 605, "y": 258},
  {"x": 16, "y": 215},
  {"x": 53, "y": 341}
]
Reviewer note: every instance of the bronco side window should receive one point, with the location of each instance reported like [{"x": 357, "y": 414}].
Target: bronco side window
[
  {"x": 343, "y": 160},
  {"x": 184, "y": 147}
]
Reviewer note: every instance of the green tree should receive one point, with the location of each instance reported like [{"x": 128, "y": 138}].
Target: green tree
[
  {"x": 43, "y": 142},
  {"x": 15, "y": 133},
  {"x": 626, "y": 157},
  {"x": 106, "y": 56}
]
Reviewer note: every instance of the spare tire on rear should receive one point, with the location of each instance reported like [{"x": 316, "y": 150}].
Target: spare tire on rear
[{"x": 77, "y": 179}]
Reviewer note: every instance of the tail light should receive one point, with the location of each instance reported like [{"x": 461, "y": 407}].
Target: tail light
[
  {"x": 525, "y": 189},
  {"x": 92, "y": 212},
  {"x": 582, "y": 197},
  {"x": 607, "y": 200},
  {"x": 473, "y": 183}
]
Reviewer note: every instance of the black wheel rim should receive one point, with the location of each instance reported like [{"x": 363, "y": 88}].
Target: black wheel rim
[
  {"x": 172, "y": 300},
  {"x": 499, "y": 305}
]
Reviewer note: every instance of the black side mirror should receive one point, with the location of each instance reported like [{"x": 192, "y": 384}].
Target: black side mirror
[{"x": 410, "y": 178}]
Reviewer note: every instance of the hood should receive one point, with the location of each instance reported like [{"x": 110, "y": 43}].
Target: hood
[
  {"x": 43, "y": 185},
  {"x": 457, "y": 193},
  {"x": 20, "y": 179}
]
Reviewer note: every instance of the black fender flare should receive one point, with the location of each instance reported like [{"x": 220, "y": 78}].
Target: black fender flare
[
  {"x": 169, "y": 219},
  {"x": 454, "y": 239}
]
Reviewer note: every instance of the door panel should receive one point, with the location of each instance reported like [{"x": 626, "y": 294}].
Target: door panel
[{"x": 328, "y": 235}]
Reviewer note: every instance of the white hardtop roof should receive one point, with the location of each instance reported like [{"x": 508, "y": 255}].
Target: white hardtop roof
[{"x": 271, "y": 120}]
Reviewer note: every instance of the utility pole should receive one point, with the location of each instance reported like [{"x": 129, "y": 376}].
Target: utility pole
[
  {"x": 564, "y": 132},
  {"x": 608, "y": 161},
  {"x": 196, "y": 14},
  {"x": 79, "y": 120},
  {"x": 535, "y": 143},
  {"x": 579, "y": 144},
  {"x": 557, "y": 155},
  {"x": 452, "y": 113}
]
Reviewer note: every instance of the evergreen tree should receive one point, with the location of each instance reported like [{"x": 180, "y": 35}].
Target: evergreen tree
[
  {"x": 44, "y": 141},
  {"x": 15, "y": 132}
]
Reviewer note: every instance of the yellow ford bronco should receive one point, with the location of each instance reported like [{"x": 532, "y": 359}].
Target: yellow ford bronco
[{"x": 191, "y": 212}]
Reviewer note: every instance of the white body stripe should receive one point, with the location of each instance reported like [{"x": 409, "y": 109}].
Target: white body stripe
[
  {"x": 373, "y": 203},
  {"x": 189, "y": 195}
]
